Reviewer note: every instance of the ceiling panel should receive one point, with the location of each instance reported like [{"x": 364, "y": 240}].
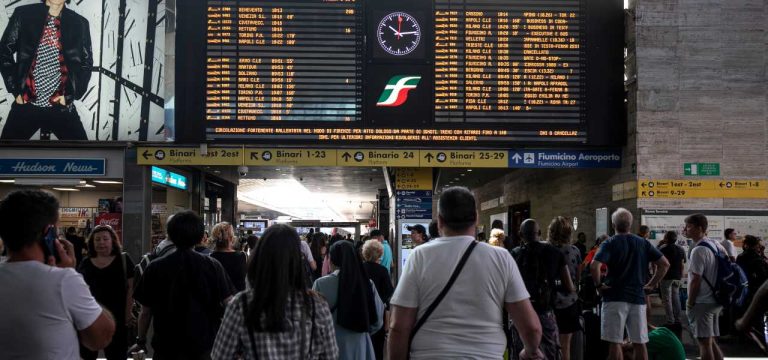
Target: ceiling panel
[{"x": 348, "y": 191}]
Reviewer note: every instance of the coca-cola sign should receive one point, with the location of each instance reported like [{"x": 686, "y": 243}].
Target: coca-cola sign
[
  {"x": 114, "y": 220},
  {"x": 111, "y": 222}
]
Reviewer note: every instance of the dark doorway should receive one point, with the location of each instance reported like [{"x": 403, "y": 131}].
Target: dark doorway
[{"x": 515, "y": 216}]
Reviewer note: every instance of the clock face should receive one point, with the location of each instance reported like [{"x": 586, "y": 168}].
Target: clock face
[{"x": 399, "y": 33}]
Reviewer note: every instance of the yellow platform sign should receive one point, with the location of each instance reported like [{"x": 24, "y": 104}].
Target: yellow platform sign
[
  {"x": 413, "y": 179},
  {"x": 681, "y": 189},
  {"x": 189, "y": 156},
  {"x": 290, "y": 157},
  {"x": 399, "y": 158},
  {"x": 379, "y": 157},
  {"x": 464, "y": 159}
]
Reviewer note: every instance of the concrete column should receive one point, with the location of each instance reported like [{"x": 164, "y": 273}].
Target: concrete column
[
  {"x": 137, "y": 206},
  {"x": 228, "y": 203}
]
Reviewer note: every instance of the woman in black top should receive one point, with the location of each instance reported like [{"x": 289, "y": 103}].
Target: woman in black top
[
  {"x": 109, "y": 274},
  {"x": 319, "y": 247},
  {"x": 754, "y": 264},
  {"x": 233, "y": 261},
  {"x": 670, "y": 285}
]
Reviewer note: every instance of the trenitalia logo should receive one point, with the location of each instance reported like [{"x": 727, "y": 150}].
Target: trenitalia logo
[{"x": 396, "y": 91}]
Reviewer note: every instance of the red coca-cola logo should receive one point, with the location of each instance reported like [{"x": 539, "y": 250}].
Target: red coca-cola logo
[{"x": 111, "y": 222}]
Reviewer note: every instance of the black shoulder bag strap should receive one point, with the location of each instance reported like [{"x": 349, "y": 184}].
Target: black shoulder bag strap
[
  {"x": 445, "y": 290},
  {"x": 244, "y": 299}
]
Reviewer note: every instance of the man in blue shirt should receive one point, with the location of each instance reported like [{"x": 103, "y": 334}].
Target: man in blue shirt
[
  {"x": 627, "y": 257},
  {"x": 386, "y": 257}
]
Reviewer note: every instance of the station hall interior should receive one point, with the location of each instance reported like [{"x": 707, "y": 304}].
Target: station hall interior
[{"x": 326, "y": 115}]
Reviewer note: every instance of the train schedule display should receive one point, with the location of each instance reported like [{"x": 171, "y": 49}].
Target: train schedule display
[{"x": 485, "y": 73}]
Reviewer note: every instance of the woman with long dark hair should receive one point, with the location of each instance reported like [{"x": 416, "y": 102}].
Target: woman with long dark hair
[
  {"x": 356, "y": 307},
  {"x": 278, "y": 318},
  {"x": 319, "y": 246},
  {"x": 109, "y": 274}
]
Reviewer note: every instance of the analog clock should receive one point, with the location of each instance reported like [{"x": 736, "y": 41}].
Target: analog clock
[{"x": 399, "y": 33}]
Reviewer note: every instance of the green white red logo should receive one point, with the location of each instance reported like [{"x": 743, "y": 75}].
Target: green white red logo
[{"x": 396, "y": 91}]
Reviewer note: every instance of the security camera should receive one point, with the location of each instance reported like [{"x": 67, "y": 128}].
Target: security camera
[{"x": 243, "y": 170}]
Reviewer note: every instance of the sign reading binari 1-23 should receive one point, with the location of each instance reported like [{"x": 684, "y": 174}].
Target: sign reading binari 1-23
[{"x": 426, "y": 72}]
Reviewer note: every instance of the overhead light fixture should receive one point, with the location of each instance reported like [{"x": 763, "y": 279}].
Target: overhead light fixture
[
  {"x": 65, "y": 189},
  {"x": 86, "y": 186},
  {"x": 47, "y": 181},
  {"x": 8, "y": 181},
  {"x": 108, "y": 182},
  {"x": 470, "y": 170},
  {"x": 463, "y": 174}
]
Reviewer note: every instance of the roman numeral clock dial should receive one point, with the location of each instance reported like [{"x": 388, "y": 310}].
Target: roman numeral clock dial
[{"x": 399, "y": 33}]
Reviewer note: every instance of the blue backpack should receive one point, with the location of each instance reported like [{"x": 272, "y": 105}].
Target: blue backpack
[{"x": 730, "y": 288}]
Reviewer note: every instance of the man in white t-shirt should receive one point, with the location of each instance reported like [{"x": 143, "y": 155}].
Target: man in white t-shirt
[
  {"x": 44, "y": 303},
  {"x": 730, "y": 237},
  {"x": 467, "y": 323},
  {"x": 703, "y": 310}
]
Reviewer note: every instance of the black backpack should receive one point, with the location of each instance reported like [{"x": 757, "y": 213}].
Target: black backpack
[{"x": 534, "y": 273}]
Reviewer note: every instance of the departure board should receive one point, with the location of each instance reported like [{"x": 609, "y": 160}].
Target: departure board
[
  {"x": 485, "y": 73},
  {"x": 508, "y": 61},
  {"x": 284, "y": 61}
]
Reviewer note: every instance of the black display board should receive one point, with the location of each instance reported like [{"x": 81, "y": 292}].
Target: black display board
[{"x": 481, "y": 73}]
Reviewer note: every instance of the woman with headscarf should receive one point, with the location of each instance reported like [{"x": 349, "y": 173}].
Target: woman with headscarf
[{"x": 355, "y": 304}]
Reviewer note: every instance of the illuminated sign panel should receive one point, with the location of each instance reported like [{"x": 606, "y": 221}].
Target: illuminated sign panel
[
  {"x": 420, "y": 72},
  {"x": 172, "y": 179}
]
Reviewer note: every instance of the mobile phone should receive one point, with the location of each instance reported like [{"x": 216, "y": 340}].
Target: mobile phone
[{"x": 50, "y": 243}]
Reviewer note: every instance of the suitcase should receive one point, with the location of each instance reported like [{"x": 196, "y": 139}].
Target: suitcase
[
  {"x": 577, "y": 342},
  {"x": 594, "y": 347}
]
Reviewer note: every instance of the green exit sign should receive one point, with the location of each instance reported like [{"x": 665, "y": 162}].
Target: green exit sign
[{"x": 701, "y": 169}]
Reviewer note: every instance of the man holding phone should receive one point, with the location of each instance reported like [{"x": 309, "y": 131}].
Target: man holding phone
[{"x": 44, "y": 303}]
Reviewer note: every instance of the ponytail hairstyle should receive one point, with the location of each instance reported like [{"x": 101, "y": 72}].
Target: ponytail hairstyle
[{"x": 223, "y": 234}]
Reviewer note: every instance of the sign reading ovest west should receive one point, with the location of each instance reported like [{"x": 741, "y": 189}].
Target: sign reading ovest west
[{"x": 681, "y": 189}]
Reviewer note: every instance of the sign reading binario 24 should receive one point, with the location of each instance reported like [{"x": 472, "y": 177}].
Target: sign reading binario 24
[
  {"x": 58, "y": 167},
  {"x": 563, "y": 159}
]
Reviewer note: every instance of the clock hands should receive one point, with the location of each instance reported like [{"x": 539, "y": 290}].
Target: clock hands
[
  {"x": 399, "y": 26},
  {"x": 399, "y": 34}
]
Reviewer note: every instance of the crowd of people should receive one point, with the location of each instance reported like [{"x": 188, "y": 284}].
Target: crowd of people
[{"x": 322, "y": 296}]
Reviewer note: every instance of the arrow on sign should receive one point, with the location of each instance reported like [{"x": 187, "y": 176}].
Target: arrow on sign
[
  {"x": 146, "y": 154},
  {"x": 346, "y": 156},
  {"x": 429, "y": 157},
  {"x": 255, "y": 155},
  {"x": 642, "y": 184},
  {"x": 722, "y": 184},
  {"x": 517, "y": 158}
]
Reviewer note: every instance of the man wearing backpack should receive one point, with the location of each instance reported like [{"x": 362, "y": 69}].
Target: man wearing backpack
[
  {"x": 703, "y": 308},
  {"x": 627, "y": 257},
  {"x": 544, "y": 273}
]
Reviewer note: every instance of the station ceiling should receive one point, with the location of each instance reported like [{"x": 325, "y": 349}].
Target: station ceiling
[{"x": 318, "y": 193}]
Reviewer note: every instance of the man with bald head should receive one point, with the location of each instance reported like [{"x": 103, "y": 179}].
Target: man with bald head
[
  {"x": 425, "y": 323},
  {"x": 627, "y": 257}
]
